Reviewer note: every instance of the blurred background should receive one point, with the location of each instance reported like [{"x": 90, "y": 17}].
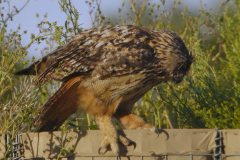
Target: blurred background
[{"x": 28, "y": 20}]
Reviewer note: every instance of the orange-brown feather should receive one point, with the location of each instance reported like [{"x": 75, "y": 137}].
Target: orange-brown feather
[{"x": 59, "y": 107}]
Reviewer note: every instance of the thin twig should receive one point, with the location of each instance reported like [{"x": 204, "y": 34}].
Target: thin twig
[
  {"x": 11, "y": 15},
  {"x": 219, "y": 7},
  {"x": 216, "y": 56},
  {"x": 99, "y": 15}
]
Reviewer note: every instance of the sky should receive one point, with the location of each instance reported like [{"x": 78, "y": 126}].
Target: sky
[{"x": 28, "y": 20}]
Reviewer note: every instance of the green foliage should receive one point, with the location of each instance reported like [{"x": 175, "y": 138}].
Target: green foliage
[
  {"x": 72, "y": 15},
  {"x": 20, "y": 101},
  {"x": 209, "y": 96}
]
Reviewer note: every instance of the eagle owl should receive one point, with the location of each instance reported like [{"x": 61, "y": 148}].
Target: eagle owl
[{"x": 104, "y": 71}]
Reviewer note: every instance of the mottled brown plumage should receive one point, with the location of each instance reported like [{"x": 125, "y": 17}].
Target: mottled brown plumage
[{"x": 105, "y": 70}]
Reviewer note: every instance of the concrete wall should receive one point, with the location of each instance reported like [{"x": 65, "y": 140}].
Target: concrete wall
[
  {"x": 2, "y": 146},
  {"x": 231, "y": 144},
  {"x": 85, "y": 144}
]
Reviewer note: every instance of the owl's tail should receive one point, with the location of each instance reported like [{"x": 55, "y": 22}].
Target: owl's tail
[
  {"x": 23, "y": 72},
  {"x": 59, "y": 107},
  {"x": 36, "y": 68}
]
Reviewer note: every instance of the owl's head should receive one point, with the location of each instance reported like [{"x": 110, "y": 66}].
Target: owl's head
[
  {"x": 173, "y": 57},
  {"x": 182, "y": 69}
]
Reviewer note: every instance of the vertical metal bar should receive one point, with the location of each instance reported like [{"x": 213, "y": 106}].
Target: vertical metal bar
[
  {"x": 165, "y": 157},
  {"x": 217, "y": 155},
  {"x": 7, "y": 146},
  {"x": 20, "y": 145},
  {"x": 17, "y": 146},
  {"x": 13, "y": 150},
  {"x": 220, "y": 149},
  {"x": 191, "y": 157},
  {"x": 215, "y": 152},
  {"x": 92, "y": 157},
  {"x": 141, "y": 157}
]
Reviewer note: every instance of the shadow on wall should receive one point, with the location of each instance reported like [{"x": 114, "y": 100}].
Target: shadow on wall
[{"x": 177, "y": 144}]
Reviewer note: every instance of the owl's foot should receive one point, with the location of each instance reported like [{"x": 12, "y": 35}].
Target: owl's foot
[
  {"x": 126, "y": 142},
  {"x": 110, "y": 135},
  {"x": 149, "y": 127},
  {"x": 132, "y": 121},
  {"x": 102, "y": 153},
  {"x": 105, "y": 150},
  {"x": 114, "y": 146},
  {"x": 109, "y": 140}
]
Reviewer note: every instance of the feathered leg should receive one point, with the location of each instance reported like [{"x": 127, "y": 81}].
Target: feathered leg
[
  {"x": 109, "y": 134},
  {"x": 131, "y": 121}
]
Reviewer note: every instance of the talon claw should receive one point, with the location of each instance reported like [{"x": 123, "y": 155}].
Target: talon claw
[
  {"x": 134, "y": 145},
  {"x": 99, "y": 150},
  {"x": 118, "y": 155},
  {"x": 157, "y": 133},
  {"x": 131, "y": 143}
]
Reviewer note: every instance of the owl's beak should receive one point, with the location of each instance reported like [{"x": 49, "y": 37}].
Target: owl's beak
[{"x": 178, "y": 81}]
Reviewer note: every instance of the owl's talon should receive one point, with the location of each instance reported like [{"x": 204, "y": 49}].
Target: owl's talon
[
  {"x": 132, "y": 143},
  {"x": 99, "y": 151},
  {"x": 157, "y": 133},
  {"x": 155, "y": 130},
  {"x": 118, "y": 155}
]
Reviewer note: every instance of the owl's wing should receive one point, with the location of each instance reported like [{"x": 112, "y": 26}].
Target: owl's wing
[
  {"x": 59, "y": 107},
  {"x": 103, "y": 51}
]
